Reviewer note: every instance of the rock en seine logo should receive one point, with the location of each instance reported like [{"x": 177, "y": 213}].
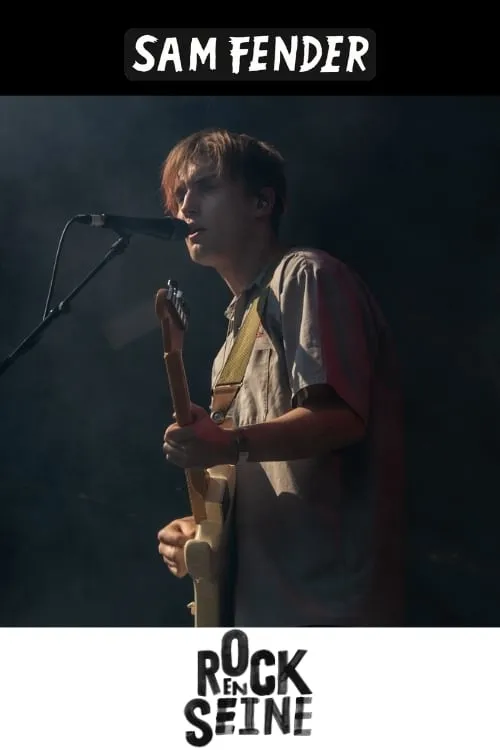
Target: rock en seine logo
[{"x": 247, "y": 693}]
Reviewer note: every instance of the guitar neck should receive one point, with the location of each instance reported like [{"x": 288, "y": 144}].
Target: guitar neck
[{"x": 196, "y": 478}]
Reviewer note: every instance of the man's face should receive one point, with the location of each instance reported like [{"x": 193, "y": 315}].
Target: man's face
[{"x": 221, "y": 213}]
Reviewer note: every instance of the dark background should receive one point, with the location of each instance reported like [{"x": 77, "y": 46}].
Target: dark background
[{"x": 405, "y": 189}]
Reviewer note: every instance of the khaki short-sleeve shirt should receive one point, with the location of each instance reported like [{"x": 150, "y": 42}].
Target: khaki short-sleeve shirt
[{"x": 316, "y": 541}]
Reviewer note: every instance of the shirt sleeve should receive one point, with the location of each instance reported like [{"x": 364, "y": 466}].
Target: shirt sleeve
[{"x": 328, "y": 336}]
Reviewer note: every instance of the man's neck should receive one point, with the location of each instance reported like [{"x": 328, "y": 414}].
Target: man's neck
[{"x": 240, "y": 270}]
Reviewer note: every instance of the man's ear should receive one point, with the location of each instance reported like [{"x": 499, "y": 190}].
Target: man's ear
[{"x": 265, "y": 202}]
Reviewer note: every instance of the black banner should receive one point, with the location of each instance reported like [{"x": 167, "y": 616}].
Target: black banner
[{"x": 407, "y": 59}]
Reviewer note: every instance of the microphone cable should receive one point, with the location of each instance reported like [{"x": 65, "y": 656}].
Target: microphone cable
[{"x": 76, "y": 218}]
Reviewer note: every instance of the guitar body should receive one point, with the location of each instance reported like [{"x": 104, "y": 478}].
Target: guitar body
[
  {"x": 207, "y": 488},
  {"x": 202, "y": 554}
]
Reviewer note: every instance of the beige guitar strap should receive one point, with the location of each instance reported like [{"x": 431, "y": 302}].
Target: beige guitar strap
[{"x": 231, "y": 377}]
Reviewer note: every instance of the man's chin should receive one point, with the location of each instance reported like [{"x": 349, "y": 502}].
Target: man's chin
[{"x": 200, "y": 254}]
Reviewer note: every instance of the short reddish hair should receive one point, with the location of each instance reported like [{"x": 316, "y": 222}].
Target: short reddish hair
[{"x": 235, "y": 155}]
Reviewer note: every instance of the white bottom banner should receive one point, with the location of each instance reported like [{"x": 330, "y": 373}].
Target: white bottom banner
[{"x": 149, "y": 689}]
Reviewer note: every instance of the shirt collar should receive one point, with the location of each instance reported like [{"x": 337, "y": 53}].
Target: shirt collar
[{"x": 257, "y": 283}]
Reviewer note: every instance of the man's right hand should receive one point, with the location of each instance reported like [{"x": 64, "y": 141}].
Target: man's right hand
[{"x": 172, "y": 539}]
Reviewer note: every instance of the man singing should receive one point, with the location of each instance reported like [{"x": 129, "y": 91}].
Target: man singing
[{"x": 314, "y": 532}]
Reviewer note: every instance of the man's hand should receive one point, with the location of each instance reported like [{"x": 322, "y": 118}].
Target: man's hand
[
  {"x": 172, "y": 539},
  {"x": 201, "y": 444}
]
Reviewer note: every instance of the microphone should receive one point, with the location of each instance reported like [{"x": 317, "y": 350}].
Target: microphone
[{"x": 163, "y": 229}]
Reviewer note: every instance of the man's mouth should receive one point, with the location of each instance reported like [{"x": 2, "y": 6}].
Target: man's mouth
[{"x": 195, "y": 233}]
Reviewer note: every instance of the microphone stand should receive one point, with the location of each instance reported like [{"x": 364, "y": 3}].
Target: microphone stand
[{"x": 63, "y": 307}]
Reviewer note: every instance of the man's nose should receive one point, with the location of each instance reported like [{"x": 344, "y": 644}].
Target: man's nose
[{"x": 190, "y": 204}]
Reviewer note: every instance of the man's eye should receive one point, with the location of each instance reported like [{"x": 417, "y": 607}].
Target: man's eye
[{"x": 208, "y": 185}]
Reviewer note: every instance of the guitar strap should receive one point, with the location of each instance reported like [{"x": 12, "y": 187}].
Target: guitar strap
[
  {"x": 224, "y": 392},
  {"x": 232, "y": 374}
]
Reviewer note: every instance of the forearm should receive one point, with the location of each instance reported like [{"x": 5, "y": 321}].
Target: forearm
[{"x": 302, "y": 433}]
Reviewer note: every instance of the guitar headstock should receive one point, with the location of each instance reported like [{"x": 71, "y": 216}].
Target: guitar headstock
[{"x": 173, "y": 313}]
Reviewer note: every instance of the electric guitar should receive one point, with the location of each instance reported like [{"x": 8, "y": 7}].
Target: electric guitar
[{"x": 206, "y": 487}]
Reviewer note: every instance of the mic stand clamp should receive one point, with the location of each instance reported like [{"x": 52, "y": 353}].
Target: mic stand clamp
[{"x": 63, "y": 307}]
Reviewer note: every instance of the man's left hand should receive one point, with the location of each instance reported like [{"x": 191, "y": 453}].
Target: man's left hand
[{"x": 201, "y": 444}]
